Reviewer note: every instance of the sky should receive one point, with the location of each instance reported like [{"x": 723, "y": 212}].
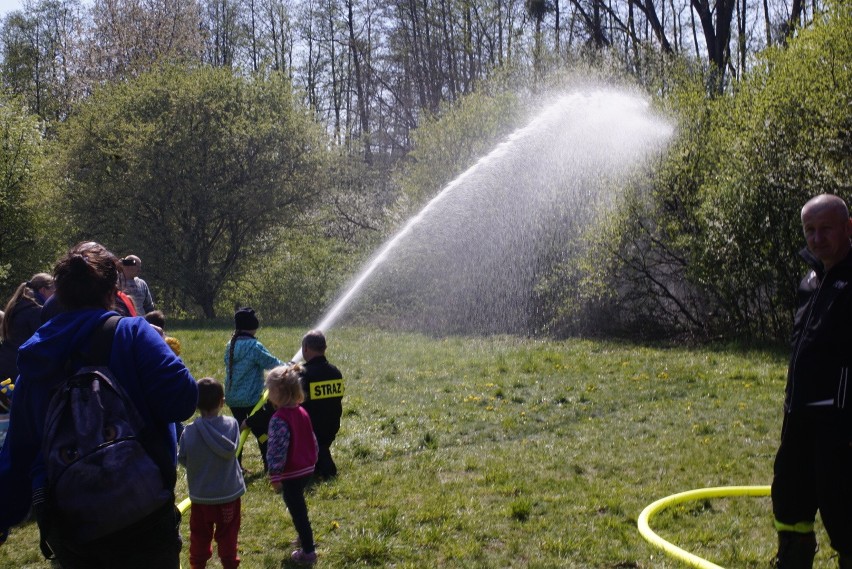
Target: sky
[{"x": 7, "y": 6}]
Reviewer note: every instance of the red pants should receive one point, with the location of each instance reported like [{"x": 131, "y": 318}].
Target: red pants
[{"x": 203, "y": 518}]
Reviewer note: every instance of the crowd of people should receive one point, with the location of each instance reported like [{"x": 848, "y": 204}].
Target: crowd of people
[{"x": 91, "y": 332}]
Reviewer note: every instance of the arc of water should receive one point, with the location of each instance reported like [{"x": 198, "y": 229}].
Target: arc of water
[{"x": 343, "y": 301}]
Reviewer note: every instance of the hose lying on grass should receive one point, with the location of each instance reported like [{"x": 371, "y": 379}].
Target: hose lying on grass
[{"x": 690, "y": 495}]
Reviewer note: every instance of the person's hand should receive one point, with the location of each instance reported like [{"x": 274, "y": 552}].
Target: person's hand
[{"x": 276, "y": 486}]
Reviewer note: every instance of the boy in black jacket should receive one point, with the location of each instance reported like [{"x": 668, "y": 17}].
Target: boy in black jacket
[{"x": 323, "y": 386}]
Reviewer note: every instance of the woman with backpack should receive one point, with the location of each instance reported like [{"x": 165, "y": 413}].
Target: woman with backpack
[{"x": 108, "y": 422}]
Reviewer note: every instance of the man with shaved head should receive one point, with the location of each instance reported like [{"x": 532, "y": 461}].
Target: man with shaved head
[{"x": 813, "y": 466}]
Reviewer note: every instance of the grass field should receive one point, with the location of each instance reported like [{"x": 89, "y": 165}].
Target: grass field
[{"x": 509, "y": 452}]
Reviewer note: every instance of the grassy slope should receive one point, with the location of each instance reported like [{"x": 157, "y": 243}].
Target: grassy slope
[{"x": 506, "y": 452}]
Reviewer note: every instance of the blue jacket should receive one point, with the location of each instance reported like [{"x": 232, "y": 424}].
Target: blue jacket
[
  {"x": 244, "y": 384},
  {"x": 155, "y": 379}
]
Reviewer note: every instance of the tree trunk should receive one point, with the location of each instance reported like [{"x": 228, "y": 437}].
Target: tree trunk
[{"x": 363, "y": 107}]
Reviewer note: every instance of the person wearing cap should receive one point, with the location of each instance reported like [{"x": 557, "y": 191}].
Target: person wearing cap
[
  {"x": 134, "y": 287},
  {"x": 246, "y": 361}
]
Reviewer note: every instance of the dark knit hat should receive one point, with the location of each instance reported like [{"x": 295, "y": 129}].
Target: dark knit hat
[{"x": 245, "y": 319}]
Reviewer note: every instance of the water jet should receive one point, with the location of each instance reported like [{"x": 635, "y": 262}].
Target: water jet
[{"x": 469, "y": 261}]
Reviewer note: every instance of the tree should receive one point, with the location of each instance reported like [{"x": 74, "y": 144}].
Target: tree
[
  {"x": 195, "y": 170},
  {"x": 709, "y": 246},
  {"x": 29, "y": 231},
  {"x": 131, "y": 36},
  {"x": 41, "y": 56}
]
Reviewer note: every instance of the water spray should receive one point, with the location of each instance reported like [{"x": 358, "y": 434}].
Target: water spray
[
  {"x": 472, "y": 256},
  {"x": 572, "y": 149}
]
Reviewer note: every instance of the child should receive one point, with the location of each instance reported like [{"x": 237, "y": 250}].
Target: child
[
  {"x": 246, "y": 359},
  {"x": 292, "y": 452},
  {"x": 323, "y": 385},
  {"x": 208, "y": 450},
  {"x": 157, "y": 319}
]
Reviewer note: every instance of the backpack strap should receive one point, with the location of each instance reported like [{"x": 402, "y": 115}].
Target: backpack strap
[
  {"x": 97, "y": 350},
  {"x": 100, "y": 346}
]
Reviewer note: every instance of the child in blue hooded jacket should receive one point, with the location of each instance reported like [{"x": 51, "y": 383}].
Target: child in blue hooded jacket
[{"x": 246, "y": 361}]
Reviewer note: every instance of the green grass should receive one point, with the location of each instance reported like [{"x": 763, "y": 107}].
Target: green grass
[{"x": 509, "y": 452}]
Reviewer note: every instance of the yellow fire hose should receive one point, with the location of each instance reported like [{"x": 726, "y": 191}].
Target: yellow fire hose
[{"x": 690, "y": 495}]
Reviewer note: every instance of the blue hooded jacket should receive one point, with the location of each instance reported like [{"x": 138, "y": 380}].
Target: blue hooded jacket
[
  {"x": 244, "y": 383},
  {"x": 155, "y": 379}
]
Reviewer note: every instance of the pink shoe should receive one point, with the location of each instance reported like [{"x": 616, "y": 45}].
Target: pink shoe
[{"x": 299, "y": 556}]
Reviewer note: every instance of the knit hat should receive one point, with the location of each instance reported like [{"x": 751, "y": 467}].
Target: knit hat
[{"x": 245, "y": 319}]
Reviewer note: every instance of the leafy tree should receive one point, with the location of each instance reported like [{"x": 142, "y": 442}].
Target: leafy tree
[
  {"x": 129, "y": 37},
  {"x": 708, "y": 247},
  {"x": 789, "y": 129},
  {"x": 449, "y": 143},
  {"x": 195, "y": 170},
  {"x": 29, "y": 229},
  {"x": 41, "y": 56},
  {"x": 295, "y": 283}
]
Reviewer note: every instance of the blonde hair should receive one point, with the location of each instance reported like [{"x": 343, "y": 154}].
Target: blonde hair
[{"x": 286, "y": 382}]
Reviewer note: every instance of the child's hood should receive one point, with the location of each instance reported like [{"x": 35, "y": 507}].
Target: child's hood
[{"x": 218, "y": 434}]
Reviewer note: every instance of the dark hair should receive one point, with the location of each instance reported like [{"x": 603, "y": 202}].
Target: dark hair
[
  {"x": 246, "y": 319},
  {"x": 25, "y": 290},
  {"x": 157, "y": 318},
  {"x": 315, "y": 340},
  {"x": 86, "y": 277},
  {"x": 210, "y": 394}
]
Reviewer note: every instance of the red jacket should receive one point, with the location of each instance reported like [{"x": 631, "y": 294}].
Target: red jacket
[{"x": 292, "y": 450}]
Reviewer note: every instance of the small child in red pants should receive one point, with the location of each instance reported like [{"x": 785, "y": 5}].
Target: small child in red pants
[{"x": 208, "y": 449}]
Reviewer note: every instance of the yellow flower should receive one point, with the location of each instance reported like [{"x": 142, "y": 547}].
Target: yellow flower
[{"x": 174, "y": 344}]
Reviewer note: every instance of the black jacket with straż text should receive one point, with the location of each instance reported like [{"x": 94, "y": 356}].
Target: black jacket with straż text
[
  {"x": 323, "y": 386},
  {"x": 822, "y": 339}
]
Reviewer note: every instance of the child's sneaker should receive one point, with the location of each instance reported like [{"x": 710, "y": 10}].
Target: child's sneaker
[{"x": 299, "y": 556}]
